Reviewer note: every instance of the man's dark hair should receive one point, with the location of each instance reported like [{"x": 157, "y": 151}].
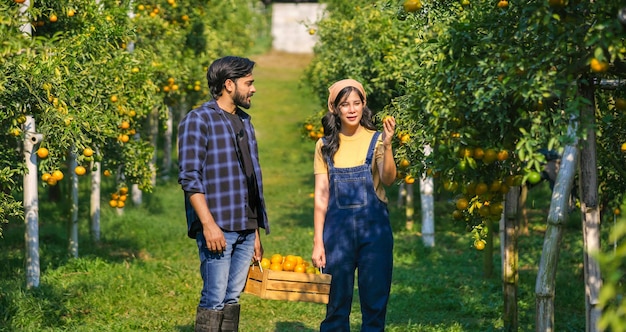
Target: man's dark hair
[{"x": 228, "y": 67}]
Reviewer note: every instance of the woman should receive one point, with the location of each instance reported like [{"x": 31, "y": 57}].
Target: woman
[{"x": 351, "y": 221}]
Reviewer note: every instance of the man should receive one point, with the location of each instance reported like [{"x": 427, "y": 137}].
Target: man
[{"x": 220, "y": 175}]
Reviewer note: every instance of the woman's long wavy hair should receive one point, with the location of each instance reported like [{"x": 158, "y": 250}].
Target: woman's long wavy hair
[{"x": 332, "y": 122}]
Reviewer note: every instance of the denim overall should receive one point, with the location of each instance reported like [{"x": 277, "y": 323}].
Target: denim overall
[{"x": 357, "y": 234}]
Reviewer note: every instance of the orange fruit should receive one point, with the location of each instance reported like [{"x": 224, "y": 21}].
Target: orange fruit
[
  {"x": 412, "y": 5},
  {"x": 276, "y": 266},
  {"x": 616, "y": 211},
  {"x": 503, "y": 4},
  {"x": 457, "y": 215},
  {"x": 123, "y": 190},
  {"x": 52, "y": 181},
  {"x": 404, "y": 163},
  {"x": 495, "y": 186},
  {"x": 496, "y": 209},
  {"x": 623, "y": 148},
  {"x": 124, "y": 125},
  {"x": 87, "y": 152},
  {"x": 42, "y": 153},
  {"x": 409, "y": 179},
  {"x": 120, "y": 204},
  {"x": 479, "y": 153},
  {"x": 598, "y": 66},
  {"x": 53, "y": 18},
  {"x": 114, "y": 99},
  {"x": 45, "y": 177},
  {"x": 289, "y": 265},
  {"x": 115, "y": 196},
  {"x": 503, "y": 155},
  {"x": 107, "y": 172},
  {"x": 620, "y": 104},
  {"x": 450, "y": 186},
  {"x": 465, "y": 152},
  {"x": 490, "y": 156},
  {"x": 123, "y": 198},
  {"x": 300, "y": 268},
  {"x": 462, "y": 203},
  {"x": 405, "y": 138},
  {"x": 481, "y": 188},
  {"x": 123, "y": 138},
  {"x": 113, "y": 203},
  {"x": 58, "y": 175},
  {"x": 479, "y": 244},
  {"x": 265, "y": 263},
  {"x": 80, "y": 170},
  {"x": 276, "y": 259},
  {"x": 484, "y": 211}
]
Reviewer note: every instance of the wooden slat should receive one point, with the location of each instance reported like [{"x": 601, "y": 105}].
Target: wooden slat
[{"x": 289, "y": 286}]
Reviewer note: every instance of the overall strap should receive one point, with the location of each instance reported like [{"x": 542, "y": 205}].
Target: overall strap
[
  {"x": 329, "y": 160},
  {"x": 370, "y": 150}
]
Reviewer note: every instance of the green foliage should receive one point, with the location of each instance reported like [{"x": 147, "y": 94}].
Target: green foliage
[
  {"x": 87, "y": 68},
  {"x": 366, "y": 43}
]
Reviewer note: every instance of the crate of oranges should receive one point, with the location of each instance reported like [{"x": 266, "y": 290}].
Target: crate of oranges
[{"x": 287, "y": 278}]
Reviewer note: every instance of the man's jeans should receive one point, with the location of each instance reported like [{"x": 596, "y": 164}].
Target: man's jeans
[{"x": 224, "y": 274}]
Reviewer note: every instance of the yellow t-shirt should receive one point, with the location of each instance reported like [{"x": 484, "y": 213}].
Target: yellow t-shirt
[{"x": 352, "y": 152}]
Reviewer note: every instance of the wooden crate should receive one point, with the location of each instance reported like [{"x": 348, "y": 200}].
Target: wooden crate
[{"x": 289, "y": 286}]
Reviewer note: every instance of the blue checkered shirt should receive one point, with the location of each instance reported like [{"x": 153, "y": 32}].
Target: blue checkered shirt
[{"x": 209, "y": 163}]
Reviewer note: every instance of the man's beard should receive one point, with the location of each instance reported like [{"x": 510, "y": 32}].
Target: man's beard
[{"x": 241, "y": 100}]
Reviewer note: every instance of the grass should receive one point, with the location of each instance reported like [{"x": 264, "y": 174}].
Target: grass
[{"x": 143, "y": 275}]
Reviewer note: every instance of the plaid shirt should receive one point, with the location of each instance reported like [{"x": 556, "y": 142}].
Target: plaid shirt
[{"x": 209, "y": 163}]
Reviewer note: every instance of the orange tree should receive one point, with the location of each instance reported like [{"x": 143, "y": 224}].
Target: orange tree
[
  {"x": 91, "y": 74},
  {"x": 488, "y": 84},
  {"x": 186, "y": 36},
  {"x": 67, "y": 75}
]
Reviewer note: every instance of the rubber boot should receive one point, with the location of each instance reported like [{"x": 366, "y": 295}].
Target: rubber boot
[
  {"x": 208, "y": 320},
  {"x": 231, "y": 318}
]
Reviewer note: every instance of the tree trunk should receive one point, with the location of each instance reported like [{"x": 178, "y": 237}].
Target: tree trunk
[
  {"x": 428, "y": 211},
  {"x": 559, "y": 207},
  {"x": 31, "y": 204},
  {"x": 510, "y": 275},
  {"x": 590, "y": 212},
  {"x": 73, "y": 227},
  {"x": 94, "y": 212},
  {"x": 427, "y": 205}
]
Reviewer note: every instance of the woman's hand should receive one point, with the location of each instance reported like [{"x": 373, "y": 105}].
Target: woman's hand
[
  {"x": 319, "y": 256},
  {"x": 389, "y": 127}
]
